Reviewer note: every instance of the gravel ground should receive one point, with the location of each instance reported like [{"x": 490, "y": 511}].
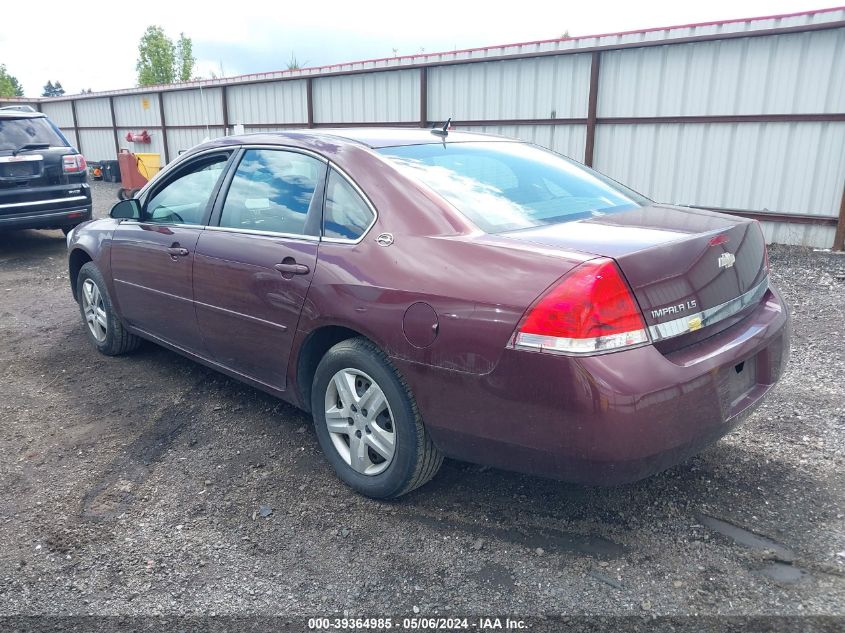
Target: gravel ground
[{"x": 139, "y": 485}]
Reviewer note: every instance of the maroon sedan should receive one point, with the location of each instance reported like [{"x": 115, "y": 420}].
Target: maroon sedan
[{"x": 426, "y": 295}]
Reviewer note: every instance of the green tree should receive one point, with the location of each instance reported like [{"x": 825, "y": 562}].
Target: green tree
[
  {"x": 185, "y": 57},
  {"x": 156, "y": 58},
  {"x": 53, "y": 89},
  {"x": 9, "y": 84}
]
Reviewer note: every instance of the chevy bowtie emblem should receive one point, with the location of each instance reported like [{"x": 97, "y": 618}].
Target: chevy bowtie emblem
[
  {"x": 726, "y": 260},
  {"x": 694, "y": 324}
]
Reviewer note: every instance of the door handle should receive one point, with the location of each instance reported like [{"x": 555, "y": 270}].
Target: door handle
[
  {"x": 176, "y": 251},
  {"x": 292, "y": 268}
]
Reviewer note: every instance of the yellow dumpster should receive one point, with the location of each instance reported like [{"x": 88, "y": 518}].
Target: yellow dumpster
[{"x": 148, "y": 164}]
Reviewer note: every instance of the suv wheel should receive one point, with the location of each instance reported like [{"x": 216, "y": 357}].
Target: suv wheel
[{"x": 368, "y": 424}]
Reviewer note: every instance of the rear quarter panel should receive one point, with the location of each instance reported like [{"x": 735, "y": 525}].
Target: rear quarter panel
[{"x": 478, "y": 285}]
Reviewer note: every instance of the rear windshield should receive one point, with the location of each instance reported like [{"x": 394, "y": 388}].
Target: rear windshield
[
  {"x": 15, "y": 133},
  {"x": 504, "y": 186}
]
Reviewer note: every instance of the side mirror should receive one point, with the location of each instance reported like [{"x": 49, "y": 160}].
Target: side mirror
[{"x": 126, "y": 210}]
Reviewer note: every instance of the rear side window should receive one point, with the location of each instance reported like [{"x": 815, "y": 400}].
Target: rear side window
[
  {"x": 15, "y": 133},
  {"x": 504, "y": 186},
  {"x": 272, "y": 191},
  {"x": 346, "y": 215}
]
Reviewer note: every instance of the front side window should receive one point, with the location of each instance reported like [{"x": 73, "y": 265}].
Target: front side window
[
  {"x": 272, "y": 191},
  {"x": 504, "y": 186},
  {"x": 184, "y": 200},
  {"x": 346, "y": 215}
]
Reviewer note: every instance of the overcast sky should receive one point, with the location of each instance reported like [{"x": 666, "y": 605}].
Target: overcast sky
[{"x": 95, "y": 44}]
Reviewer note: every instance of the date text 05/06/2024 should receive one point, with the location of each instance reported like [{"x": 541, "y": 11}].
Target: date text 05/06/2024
[{"x": 420, "y": 623}]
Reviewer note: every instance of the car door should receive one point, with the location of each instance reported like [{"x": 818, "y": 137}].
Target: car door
[
  {"x": 255, "y": 262},
  {"x": 152, "y": 258}
]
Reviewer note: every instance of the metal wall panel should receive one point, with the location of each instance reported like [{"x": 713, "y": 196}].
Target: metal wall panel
[
  {"x": 93, "y": 112},
  {"x": 282, "y": 102},
  {"x": 783, "y": 74},
  {"x": 194, "y": 107},
  {"x": 549, "y": 87},
  {"x": 70, "y": 135},
  {"x": 184, "y": 139},
  {"x": 60, "y": 113},
  {"x": 781, "y": 167},
  {"x": 97, "y": 144},
  {"x": 564, "y": 139},
  {"x": 798, "y": 234},
  {"x": 387, "y": 96},
  {"x": 137, "y": 111},
  {"x": 156, "y": 145}
]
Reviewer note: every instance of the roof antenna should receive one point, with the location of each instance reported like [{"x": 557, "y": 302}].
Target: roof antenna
[{"x": 444, "y": 131}]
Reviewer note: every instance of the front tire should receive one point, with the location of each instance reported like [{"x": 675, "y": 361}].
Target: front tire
[
  {"x": 368, "y": 424},
  {"x": 102, "y": 326}
]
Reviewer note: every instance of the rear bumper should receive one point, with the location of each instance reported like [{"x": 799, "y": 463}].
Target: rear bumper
[
  {"x": 46, "y": 218},
  {"x": 610, "y": 418}
]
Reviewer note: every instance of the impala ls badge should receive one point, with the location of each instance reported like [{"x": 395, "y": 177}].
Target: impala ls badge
[{"x": 726, "y": 260}]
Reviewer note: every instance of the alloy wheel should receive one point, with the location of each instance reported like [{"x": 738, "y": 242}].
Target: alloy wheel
[
  {"x": 94, "y": 310},
  {"x": 360, "y": 422}
]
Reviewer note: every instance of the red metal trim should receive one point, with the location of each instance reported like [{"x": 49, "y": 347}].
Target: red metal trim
[
  {"x": 163, "y": 127},
  {"x": 839, "y": 237},
  {"x": 717, "y": 118},
  {"x": 224, "y": 97},
  {"x": 727, "y": 118},
  {"x": 114, "y": 126},
  {"x": 482, "y": 122},
  {"x": 592, "y": 108},
  {"x": 309, "y": 101},
  {"x": 423, "y": 97},
  {"x": 771, "y": 216},
  {"x": 75, "y": 126},
  {"x": 248, "y": 126},
  {"x": 368, "y": 124}
]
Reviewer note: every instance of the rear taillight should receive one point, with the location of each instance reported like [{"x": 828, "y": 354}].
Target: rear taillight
[
  {"x": 590, "y": 310},
  {"x": 73, "y": 163}
]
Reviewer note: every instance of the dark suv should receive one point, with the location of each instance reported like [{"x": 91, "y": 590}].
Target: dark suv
[{"x": 43, "y": 179}]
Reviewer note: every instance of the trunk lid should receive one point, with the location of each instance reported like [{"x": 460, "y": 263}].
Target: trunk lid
[
  {"x": 33, "y": 168},
  {"x": 689, "y": 269}
]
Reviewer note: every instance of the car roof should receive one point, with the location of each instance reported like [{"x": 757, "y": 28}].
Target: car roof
[
  {"x": 373, "y": 137},
  {"x": 20, "y": 114}
]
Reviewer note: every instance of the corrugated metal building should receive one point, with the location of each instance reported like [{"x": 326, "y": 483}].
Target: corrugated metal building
[{"x": 745, "y": 115}]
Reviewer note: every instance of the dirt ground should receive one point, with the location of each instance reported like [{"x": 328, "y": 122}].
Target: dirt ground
[{"x": 138, "y": 485}]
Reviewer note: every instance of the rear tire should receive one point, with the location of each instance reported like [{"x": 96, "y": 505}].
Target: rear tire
[
  {"x": 102, "y": 326},
  {"x": 393, "y": 424}
]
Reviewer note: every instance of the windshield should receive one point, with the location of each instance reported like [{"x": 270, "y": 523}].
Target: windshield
[
  {"x": 15, "y": 133},
  {"x": 503, "y": 186}
]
